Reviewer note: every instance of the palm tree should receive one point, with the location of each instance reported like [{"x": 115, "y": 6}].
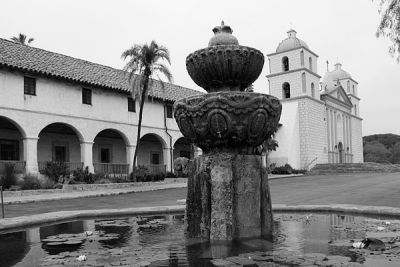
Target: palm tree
[
  {"x": 144, "y": 62},
  {"x": 22, "y": 39}
]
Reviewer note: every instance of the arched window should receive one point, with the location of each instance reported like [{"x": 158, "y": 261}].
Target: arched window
[
  {"x": 310, "y": 63},
  {"x": 302, "y": 57},
  {"x": 285, "y": 64},
  {"x": 285, "y": 90},
  {"x": 303, "y": 82},
  {"x": 348, "y": 86},
  {"x": 312, "y": 90},
  {"x": 354, "y": 90},
  {"x": 355, "y": 110}
]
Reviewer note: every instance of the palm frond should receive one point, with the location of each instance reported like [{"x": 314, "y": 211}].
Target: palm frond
[{"x": 163, "y": 69}]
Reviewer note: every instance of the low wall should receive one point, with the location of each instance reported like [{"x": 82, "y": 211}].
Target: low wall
[{"x": 90, "y": 187}]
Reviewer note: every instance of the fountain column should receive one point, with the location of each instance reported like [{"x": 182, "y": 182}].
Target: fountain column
[{"x": 228, "y": 194}]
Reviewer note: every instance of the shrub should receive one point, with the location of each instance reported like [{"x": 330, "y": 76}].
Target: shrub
[
  {"x": 141, "y": 172},
  {"x": 170, "y": 175},
  {"x": 56, "y": 170},
  {"x": 180, "y": 166},
  {"x": 286, "y": 169},
  {"x": 30, "y": 182},
  {"x": 83, "y": 175},
  {"x": 9, "y": 178}
]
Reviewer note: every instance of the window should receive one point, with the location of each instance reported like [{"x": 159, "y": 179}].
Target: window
[
  {"x": 169, "y": 111},
  {"x": 86, "y": 96},
  {"x": 285, "y": 64},
  {"x": 302, "y": 57},
  {"x": 355, "y": 110},
  {"x": 155, "y": 158},
  {"x": 60, "y": 153},
  {"x": 348, "y": 86},
  {"x": 9, "y": 150},
  {"x": 354, "y": 90},
  {"x": 310, "y": 63},
  {"x": 303, "y": 82},
  {"x": 29, "y": 86},
  {"x": 131, "y": 105},
  {"x": 312, "y": 90},
  {"x": 105, "y": 155},
  {"x": 286, "y": 90}
]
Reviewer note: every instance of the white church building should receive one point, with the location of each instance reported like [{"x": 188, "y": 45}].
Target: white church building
[{"x": 320, "y": 121}]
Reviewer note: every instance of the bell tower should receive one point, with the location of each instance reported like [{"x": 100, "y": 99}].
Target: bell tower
[{"x": 293, "y": 69}]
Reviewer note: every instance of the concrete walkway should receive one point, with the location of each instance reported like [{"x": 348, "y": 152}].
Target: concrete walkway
[
  {"x": 106, "y": 192},
  {"x": 86, "y": 194}
]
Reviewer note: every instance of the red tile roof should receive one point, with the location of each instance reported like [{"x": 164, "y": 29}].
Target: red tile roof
[{"x": 38, "y": 61}]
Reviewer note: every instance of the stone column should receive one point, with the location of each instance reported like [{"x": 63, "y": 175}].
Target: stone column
[
  {"x": 130, "y": 153},
  {"x": 87, "y": 155},
  {"x": 167, "y": 158},
  {"x": 30, "y": 155},
  {"x": 228, "y": 198}
]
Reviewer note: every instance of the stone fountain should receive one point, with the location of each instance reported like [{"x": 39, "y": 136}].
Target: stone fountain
[{"x": 228, "y": 194}]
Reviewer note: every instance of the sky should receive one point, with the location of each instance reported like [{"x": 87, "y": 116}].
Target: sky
[{"x": 336, "y": 30}]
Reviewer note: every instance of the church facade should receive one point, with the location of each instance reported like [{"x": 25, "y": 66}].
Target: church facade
[{"x": 320, "y": 121}]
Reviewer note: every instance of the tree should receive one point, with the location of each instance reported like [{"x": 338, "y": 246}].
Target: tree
[
  {"x": 22, "y": 39},
  {"x": 144, "y": 62},
  {"x": 389, "y": 25}
]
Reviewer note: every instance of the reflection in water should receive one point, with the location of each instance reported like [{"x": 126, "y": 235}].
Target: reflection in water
[
  {"x": 13, "y": 248},
  {"x": 160, "y": 240}
]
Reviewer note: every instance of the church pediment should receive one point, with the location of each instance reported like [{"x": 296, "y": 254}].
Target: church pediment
[{"x": 338, "y": 94}]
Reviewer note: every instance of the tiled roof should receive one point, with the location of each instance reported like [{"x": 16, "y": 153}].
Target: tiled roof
[{"x": 30, "y": 59}]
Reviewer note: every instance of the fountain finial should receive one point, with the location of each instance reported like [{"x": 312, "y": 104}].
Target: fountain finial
[{"x": 223, "y": 36}]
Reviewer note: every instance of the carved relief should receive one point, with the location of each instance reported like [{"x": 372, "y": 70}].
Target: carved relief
[{"x": 228, "y": 120}]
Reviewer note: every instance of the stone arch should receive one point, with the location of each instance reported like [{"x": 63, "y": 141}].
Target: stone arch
[
  {"x": 109, "y": 147},
  {"x": 75, "y": 129},
  {"x": 153, "y": 153},
  {"x": 11, "y": 142},
  {"x": 15, "y": 124},
  {"x": 117, "y": 131},
  {"x": 59, "y": 142},
  {"x": 183, "y": 148}
]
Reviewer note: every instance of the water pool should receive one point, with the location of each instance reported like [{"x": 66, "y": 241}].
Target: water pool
[{"x": 299, "y": 240}]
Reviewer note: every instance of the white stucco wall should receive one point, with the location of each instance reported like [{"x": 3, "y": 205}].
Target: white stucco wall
[
  {"x": 313, "y": 133},
  {"x": 287, "y": 137},
  {"x": 356, "y": 125}
]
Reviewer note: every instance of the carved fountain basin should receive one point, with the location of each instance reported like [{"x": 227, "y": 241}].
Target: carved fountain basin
[
  {"x": 228, "y": 120},
  {"x": 228, "y": 67}
]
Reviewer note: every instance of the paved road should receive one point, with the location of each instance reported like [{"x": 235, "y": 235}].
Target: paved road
[{"x": 361, "y": 189}]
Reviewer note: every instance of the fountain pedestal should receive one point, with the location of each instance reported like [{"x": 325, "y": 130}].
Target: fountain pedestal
[
  {"x": 228, "y": 198},
  {"x": 228, "y": 195}
]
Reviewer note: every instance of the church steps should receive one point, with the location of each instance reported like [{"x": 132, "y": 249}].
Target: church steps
[{"x": 354, "y": 168}]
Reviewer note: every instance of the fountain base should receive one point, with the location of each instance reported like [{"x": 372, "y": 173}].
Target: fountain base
[{"x": 228, "y": 197}]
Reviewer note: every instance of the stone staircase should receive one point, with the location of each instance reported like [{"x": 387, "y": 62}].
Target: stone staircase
[{"x": 353, "y": 168}]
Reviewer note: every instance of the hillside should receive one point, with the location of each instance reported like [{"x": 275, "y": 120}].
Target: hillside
[{"x": 383, "y": 148}]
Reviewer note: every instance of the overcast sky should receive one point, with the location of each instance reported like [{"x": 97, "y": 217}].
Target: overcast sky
[{"x": 336, "y": 30}]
